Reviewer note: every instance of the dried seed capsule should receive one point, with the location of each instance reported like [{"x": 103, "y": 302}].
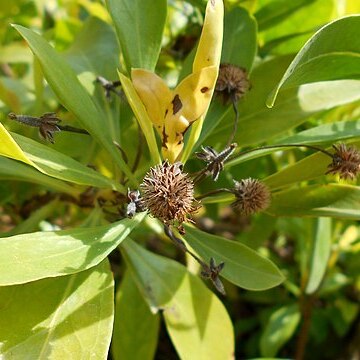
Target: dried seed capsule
[
  {"x": 252, "y": 196},
  {"x": 346, "y": 162},
  {"x": 168, "y": 193}
]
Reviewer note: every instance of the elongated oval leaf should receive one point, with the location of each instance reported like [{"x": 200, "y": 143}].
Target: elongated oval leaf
[
  {"x": 15, "y": 170},
  {"x": 243, "y": 266},
  {"x": 326, "y": 133},
  {"x": 280, "y": 328},
  {"x": 72, "y": 94},
  {"x": 333, "y": 53},
  {"x": 135, "y": 328},
  {"x": 194, "y": 316},
  {"x": 240, "y": 33},
  {"x": 60, "y": 166},
  {"x": 34, "y": 256},
  {"x": 320, "y": 254},
  {"x": 334, "y": 200},
  {"x": 309, "y": 168},
  {"x": 52, "y": 318},
  {"x": 139, "y": 26}
]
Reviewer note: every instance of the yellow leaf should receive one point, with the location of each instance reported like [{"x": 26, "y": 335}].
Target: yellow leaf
[
  {"x": 9, "y": 148},
  {"x": 195, "y": 93},
  {"x": 191, "y": 99},
  {"x": 209, "y": 49},
  {"x": 154, "y": 93}
]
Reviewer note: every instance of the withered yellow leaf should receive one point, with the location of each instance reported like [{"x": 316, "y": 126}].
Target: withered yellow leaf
[
  {"x": 209, "y": 49},
  {"x": 154, "y": 93}
]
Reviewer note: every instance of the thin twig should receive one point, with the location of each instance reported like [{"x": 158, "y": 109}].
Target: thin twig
[
  {"x": 236, "y": 120},
  {"x": 306, "y": 307},
  {"x": 213, "y": 192},
  {"x": 72, "y": 129},
  {"x": 280, "y": 146}
]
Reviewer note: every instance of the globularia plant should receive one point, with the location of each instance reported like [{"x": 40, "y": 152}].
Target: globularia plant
[{"x": 176, "y": 152}]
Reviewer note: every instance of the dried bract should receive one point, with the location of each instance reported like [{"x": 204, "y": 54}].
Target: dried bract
[
  {"x": 232, "y": 83},
  {"x": 252, "y": 196},
  {"x": 346, "y": 162},
  {"x": 168, "y": 193},
  {"x": 214, "y": 159}
]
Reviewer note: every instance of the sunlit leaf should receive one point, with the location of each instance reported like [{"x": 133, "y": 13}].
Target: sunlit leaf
[
  {"x": 135, "y": 328},
  {"x": 58, "y": 318},
  {"x": 17, "y": 171},
  {"x": 34, "y": 256},
  {"x": 331, "y": 54},
  {"x": 243, "y": 266},
  {"x": 55, "y": 164},
  {"x": 65, "y": 84},
  {"x": 194, "y": 316}
]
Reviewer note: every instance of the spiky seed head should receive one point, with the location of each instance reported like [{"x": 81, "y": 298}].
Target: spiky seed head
[
  {"x": 232, "y": 83},
  {"x": 346, "y": 162},
  {"x": 168, "y": 193},
  {"x": 252, "y": 196}
]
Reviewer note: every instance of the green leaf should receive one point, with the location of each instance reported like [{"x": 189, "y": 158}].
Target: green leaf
[
  {"x": 34, "y": 256},
  {"x": 284, "y": 19},
  {"x": 331, "y": 54},
  {"x": 136, "y": 328},
  {"x": 240, "y": 33},
  {"x": 72, "y": 94},
  {"x": 60, "y": 166},
  {"x": 257, "y": 123},
  {"x": 326, "y": 133},
  {"x": 334, "y": 200},
  {"x": 95, "y": 49},
  {"x": 309, "y": 168},
  {"x": 276, "y": 11},
  {"x": 194, "y": 316},
  {"x": 15, "y": 170},
  {"x": 139, "y": 26},
  {"x": 279, "y": 329},
  {"x": 243, "y": 266},
  {"x": 320, "y": 254},
  {"x": 52, "y": 318}
]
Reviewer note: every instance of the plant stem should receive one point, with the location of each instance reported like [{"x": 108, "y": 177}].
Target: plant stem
[
  {"x": 213, "y": 192},
  {"x": 236, "y": 120},
  {"x": 282, "y": 146},
  {"x": 306, "y": 307}
]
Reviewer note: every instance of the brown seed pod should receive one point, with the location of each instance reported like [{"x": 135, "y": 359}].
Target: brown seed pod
[
  {"x": 252, "y": 196},
  {"x": 168, "y": 193},
  {"x": 346, "y": 162},
  {"x": 232, "y": 83}
]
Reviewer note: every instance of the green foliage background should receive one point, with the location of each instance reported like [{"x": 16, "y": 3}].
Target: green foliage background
[{"x": 77, "y": 276}]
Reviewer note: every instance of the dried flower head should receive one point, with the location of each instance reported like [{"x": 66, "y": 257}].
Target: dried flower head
[
  {"x": 214, "y": 159},
  {"x": 346, "y": 162},
  {"x": 168, "y": 193},
  {"x": 252, "y": 196},
  {"x": 232, "y": 83}
]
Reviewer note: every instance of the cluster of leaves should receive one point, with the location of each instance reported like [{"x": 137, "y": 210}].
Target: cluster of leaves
[{"x": 61, "y": 219}]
